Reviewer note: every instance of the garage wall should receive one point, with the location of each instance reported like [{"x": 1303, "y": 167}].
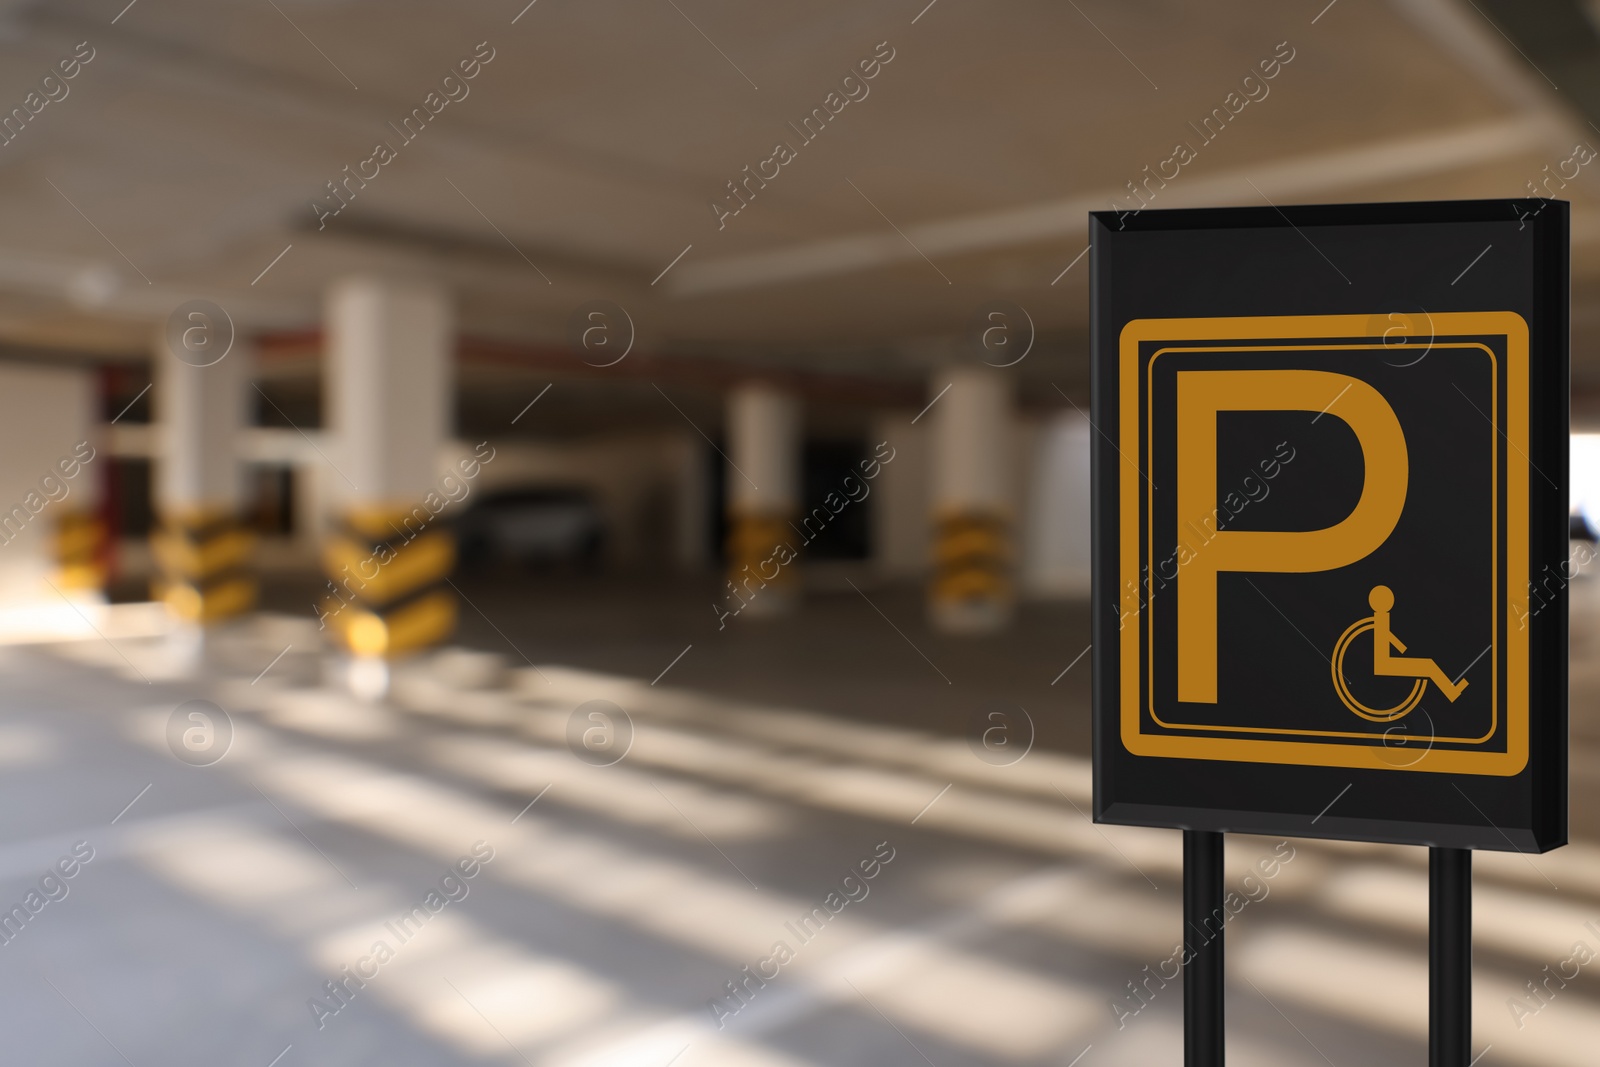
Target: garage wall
[{"x": 44, "y": 413}]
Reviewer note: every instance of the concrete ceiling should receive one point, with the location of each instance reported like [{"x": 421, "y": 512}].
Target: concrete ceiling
[{"x": 584, "y": 158}]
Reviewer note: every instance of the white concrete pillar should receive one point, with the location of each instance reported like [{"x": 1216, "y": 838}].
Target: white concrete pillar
[
  {"x": 1057, "y": 557},
  {"x": 900, "y": 529},
  {"x": 389, "y": 348},
  {"x": 50, "y": 528},
  {"x": 202, "y": 409},
  {"x": 972, "y": 458},
  {"x": 201, "y": 413},
  {"x": 763, "y": 498},
  {"x": 391, "y": 382}
]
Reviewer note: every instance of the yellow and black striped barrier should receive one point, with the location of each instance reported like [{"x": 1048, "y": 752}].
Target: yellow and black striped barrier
[
  {"x": 761, "y": 559},
  {"x": 972, "y": 565},
  {"x": 203, "y": 557},
  {"x": 387, "y": 579},
  {"x": 80, "y": 552}
]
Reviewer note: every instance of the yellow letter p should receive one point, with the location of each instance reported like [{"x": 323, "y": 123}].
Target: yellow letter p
[{"x": 1201, "y": 395}]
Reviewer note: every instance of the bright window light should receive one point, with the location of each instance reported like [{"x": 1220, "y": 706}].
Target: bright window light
[{"x": 1586, "y": 477}]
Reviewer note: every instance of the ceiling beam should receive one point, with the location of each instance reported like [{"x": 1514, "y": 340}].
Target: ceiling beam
[
  {"x": 1316, "y": 174},
  {"x": 646, "y": 367}
]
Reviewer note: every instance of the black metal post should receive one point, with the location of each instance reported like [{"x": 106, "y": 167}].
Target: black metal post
[
  {"x": 1203, "y": 916},
  {"x": 1449, "y": 957}
]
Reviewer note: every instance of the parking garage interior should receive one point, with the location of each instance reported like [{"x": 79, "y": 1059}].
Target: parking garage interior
[{"x": 508, "y": 513}]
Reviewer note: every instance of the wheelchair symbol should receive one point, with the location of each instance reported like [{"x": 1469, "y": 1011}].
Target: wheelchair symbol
[{"x": 1386, "y": 664}]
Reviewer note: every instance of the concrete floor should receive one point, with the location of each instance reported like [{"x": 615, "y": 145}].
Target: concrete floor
[{"x": 764, "y": 765}]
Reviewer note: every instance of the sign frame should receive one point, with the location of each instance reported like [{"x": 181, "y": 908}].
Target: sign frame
[{"x": 1335, "y": 275}]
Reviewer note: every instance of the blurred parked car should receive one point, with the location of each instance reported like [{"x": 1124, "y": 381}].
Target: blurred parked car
[
  {"x": 548, "y": 526},
  {"x": 1579, "y": 528}
]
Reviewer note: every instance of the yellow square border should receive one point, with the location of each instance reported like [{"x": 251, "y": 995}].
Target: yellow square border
[
  {"x": 1301, "y": 753},
  {"x": 1494, "y": 542}
]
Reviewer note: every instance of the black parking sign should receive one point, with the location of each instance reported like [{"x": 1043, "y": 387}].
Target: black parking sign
[{"x": 1331, "y": 514}]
